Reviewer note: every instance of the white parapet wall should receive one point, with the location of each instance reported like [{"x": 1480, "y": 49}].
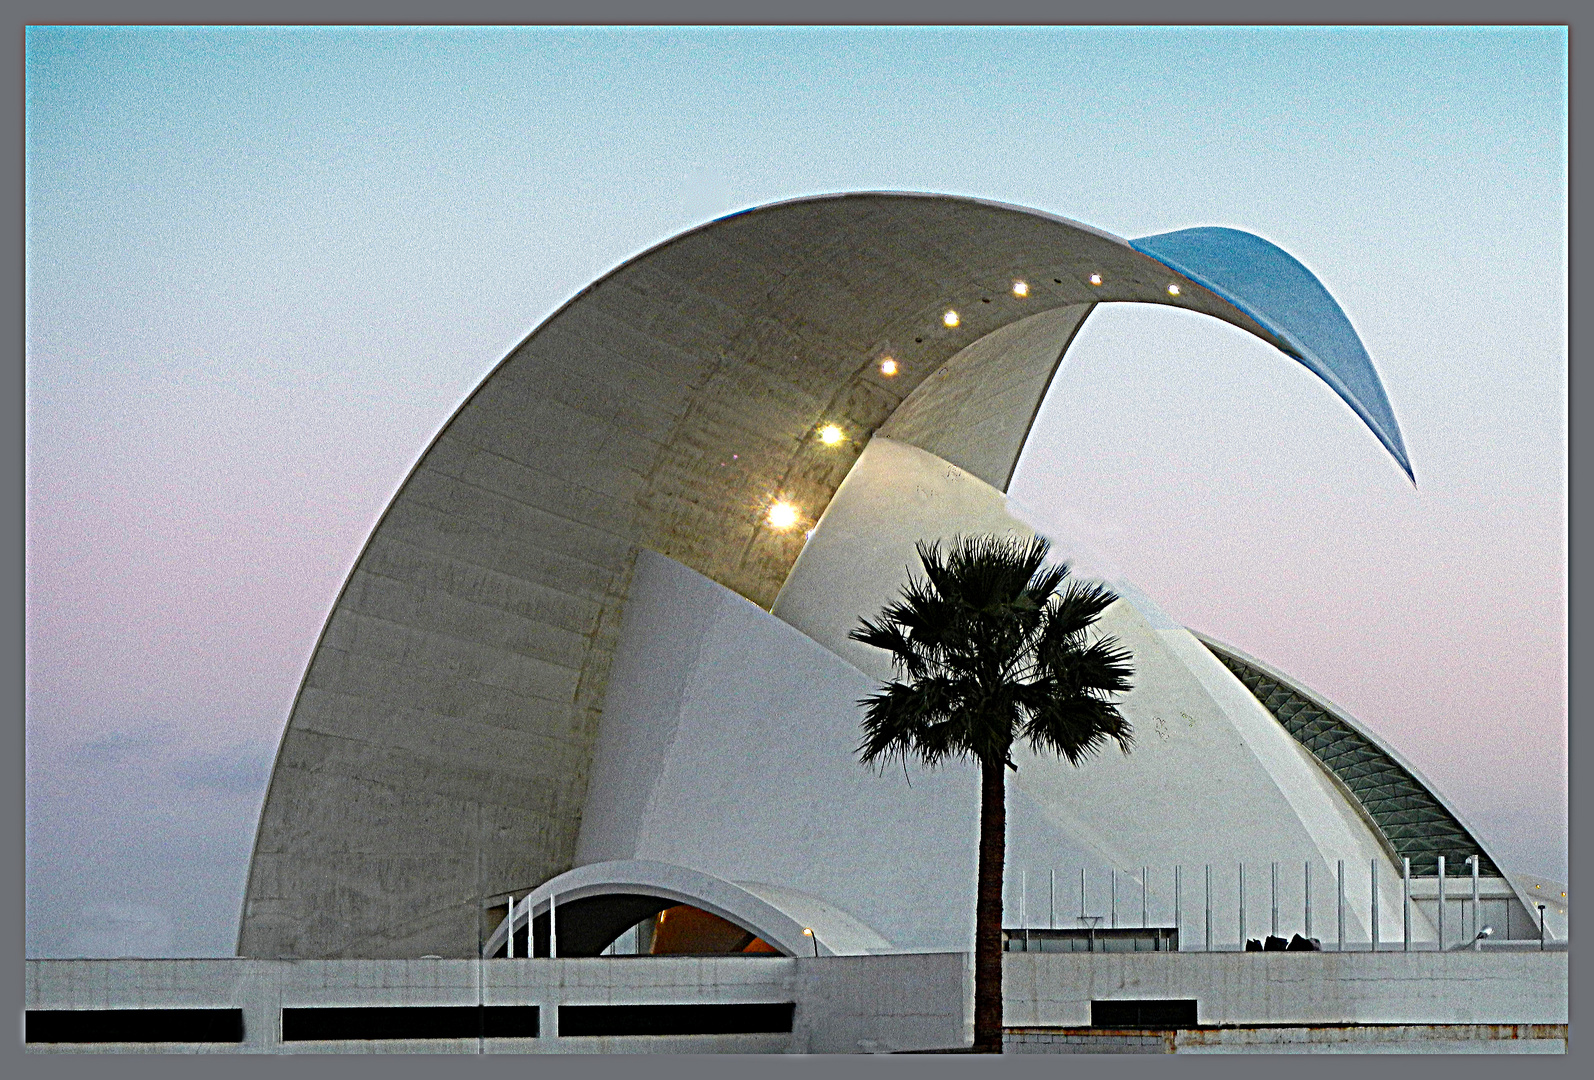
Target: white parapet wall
[
  {"x": 1305, "y": 988},
  {"x": 839, "y": 1004},
  {"x": 842, "y": 1004}
]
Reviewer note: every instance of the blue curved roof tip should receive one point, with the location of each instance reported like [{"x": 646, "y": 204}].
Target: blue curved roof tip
[{"x": 1270, "y": 285}]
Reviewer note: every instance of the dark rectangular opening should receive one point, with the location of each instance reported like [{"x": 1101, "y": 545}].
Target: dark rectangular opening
[
  {"x": 134, "y": 1025},
  {"x": 1145, "y": 1013},
  {"x": 575, "y": 1020},
  {"x": 409, "y": 1022}
]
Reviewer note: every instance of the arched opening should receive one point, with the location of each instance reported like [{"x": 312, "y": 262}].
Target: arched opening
[{"x": 631, "y": 924}]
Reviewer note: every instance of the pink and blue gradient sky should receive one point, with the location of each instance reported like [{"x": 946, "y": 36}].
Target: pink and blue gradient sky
[{"x": 264, "y": 267}]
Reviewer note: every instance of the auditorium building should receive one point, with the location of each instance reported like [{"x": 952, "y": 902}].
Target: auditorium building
[{"x": 573, "y": 765}]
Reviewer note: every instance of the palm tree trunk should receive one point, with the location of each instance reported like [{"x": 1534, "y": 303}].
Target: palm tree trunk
[{"x": 988, "y": 909}]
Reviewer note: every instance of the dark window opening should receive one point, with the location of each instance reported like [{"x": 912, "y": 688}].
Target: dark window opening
[
  {"x": 577, "y": 1020},
  {"x": 1144, "y": 1013},
  {"x": 134, "y": 1025},
  {"x": 410, "y": 1022}
]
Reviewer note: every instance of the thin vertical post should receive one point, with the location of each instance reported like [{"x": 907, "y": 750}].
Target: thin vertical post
[
  {"x": 1405, "y": 903},
  {"x": 1275, "y": 930},
  {"x": 1372, "y": 867},
  {"x": 1023, "y": 904},
  {"x": 1242, "y": 907},
  {"x": 553, "y": 929},
  {"x": 1441, "y": 903},
  {"x": 1081, "y": 894},
  {"x": 1474, "y": 860},
  {"x": 511, "y": 944},
  {"x": 1051, "y": 904},
  {"x": 1114, "y": 898},
  {"x": 1145, "y": 875},
  {"x": 1207, "y": 941},
  {"x": 1308, "y": 890},
  {"x": 1341, "y": 908},
  {"x": 1541, "y": 928},
  {"x": 1177, "y": 897}
]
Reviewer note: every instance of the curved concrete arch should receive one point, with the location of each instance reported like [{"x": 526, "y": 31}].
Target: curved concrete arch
[
  {"x": 779, "y": 916},
  {"x": 438, "y": 748}
]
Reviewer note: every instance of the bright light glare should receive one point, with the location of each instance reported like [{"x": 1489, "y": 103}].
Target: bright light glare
[
  {"x": 950, "y": 318},
  {"x": 888, "y": 367},
  {"x": 1020, "y": 288},
  {"x": 1095, "y": 279},
  {"x": 782, "y": 515},
  {"x": 831, "y": 435},
  {"x": 1173, "y": 290}
]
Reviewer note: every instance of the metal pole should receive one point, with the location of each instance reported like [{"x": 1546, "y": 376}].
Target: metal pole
[
  {"x": 1114, "y": 900},
  {"x": 1441, "y": 903},
  {"x": 1081, "y": 894},
  {"x": 1242, "y": 907},
  {"x": 1207, "y": 941},
  {"x": 481, "y": 941},
  {"x": 510, "y": 953},
  {"x": 1372, "y": 866},
  {"x": 1473, "y": 859},
  {"x": 1023, "y": 904},
  {"x": 1308, "y": 890},
  {"x": 1177, "y": 884},
  {"x": 1541, "y": 928},
  {"x": 1145, "y": 875},
  {"x": 1405, "y": 903},
  {"x": 1275, "y": 930},
  {"x": 553, "y": 933},
  {"x": 1341, "y": 911},
  {"x": 1051, "y": 905}
]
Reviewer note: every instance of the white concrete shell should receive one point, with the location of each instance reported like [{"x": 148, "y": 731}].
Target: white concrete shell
[
  {"x": 441, "y": 744},
  {"x": 727, "y": 747}
]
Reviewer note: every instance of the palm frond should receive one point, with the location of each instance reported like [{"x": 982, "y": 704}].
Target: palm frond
[{"x": 992, "y": 646}]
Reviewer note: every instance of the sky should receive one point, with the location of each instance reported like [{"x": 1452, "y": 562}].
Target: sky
[{"x": 264, "y": 267}]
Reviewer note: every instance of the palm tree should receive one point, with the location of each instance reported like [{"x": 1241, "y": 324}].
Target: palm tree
[{"x": 990, "y": 648}]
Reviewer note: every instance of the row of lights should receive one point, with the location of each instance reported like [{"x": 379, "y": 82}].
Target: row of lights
[
  {"x": 783, "y": 515},
  {"x": 1020, "y": 289}
]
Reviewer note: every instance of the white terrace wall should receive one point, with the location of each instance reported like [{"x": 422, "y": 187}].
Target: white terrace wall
[
  {"x": 1306, "y": 988},
  {"x": 845, "y": 1004}
]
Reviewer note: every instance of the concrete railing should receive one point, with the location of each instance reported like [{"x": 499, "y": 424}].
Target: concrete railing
[
  {"x": 1310, "y": 988},
  {"x": 842, "y": 1004}
]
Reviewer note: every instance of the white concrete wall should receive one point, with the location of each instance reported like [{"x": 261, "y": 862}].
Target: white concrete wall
[
  {"x": 843, "y": 1004},
  {"x": 1056, "y": 989},
  {"x": 891, "y": 1002},
  {"x": 1382, "y": 1039},
  {"x": 1214, "y": 778},
  {"x": 729, "y": 748}
]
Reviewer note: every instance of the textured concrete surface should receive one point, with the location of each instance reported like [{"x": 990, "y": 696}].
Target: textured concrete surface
[
  {"x": 1372, "y": 1039},
  {"x": 1056, "y": 989},
  {"x": 864, "y": 1004},
  {"x": 439, "y": 748},
  {"x": 912, "y": 1001}
]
